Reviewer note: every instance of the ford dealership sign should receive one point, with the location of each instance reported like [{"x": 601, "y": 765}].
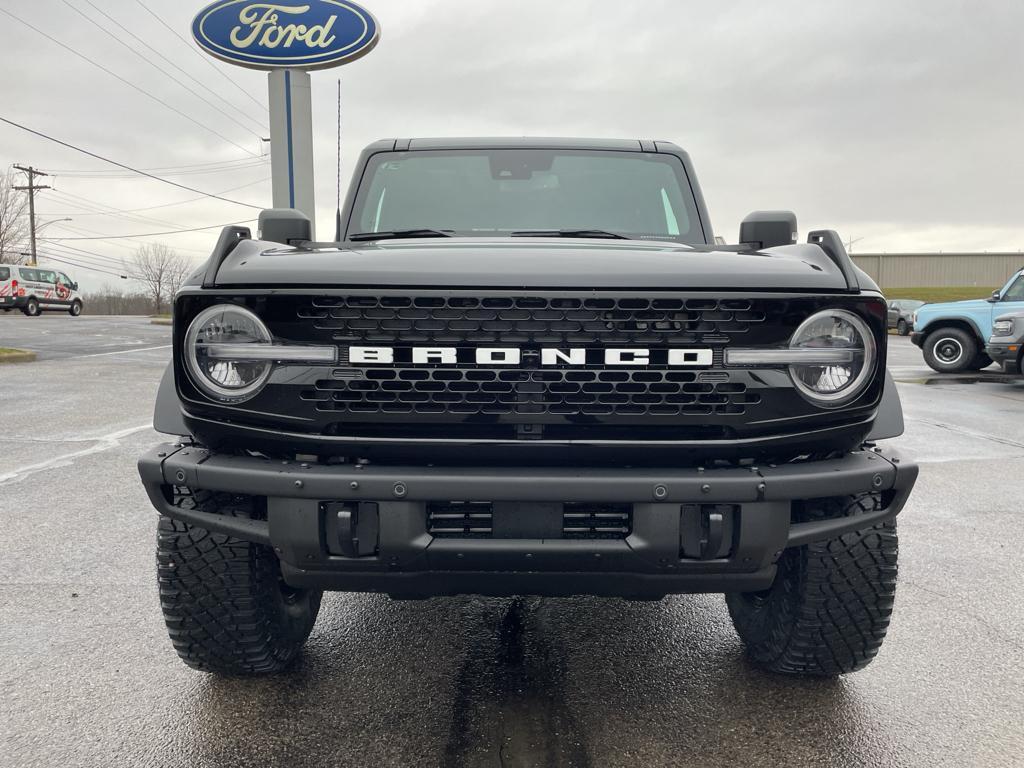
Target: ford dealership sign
[{"x": 313, "y": 34}]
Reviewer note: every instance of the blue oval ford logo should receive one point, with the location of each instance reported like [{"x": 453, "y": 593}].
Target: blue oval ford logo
[{"x": 311, "y": 34}]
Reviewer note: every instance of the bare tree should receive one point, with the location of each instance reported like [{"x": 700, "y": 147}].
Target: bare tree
[
  {"x": 162, "y": 270},
  {"x": 115, "y": 300},
  {"x": 13, "y": 220}
]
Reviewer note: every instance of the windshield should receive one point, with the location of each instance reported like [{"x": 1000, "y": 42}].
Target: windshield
[{"x": 500, "y": 192}]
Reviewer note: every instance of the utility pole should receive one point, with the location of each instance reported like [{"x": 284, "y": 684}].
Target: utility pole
[{"x": 32, "y": 188}]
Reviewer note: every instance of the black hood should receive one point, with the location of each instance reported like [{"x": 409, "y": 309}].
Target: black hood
[{"x": 531, "y": 263}]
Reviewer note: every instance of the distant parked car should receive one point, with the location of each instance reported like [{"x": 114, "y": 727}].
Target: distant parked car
[
  {"x": 1006, "y": 346},
  {"x": 953, "y": 334},
  {"x": 901, "y": 315}
]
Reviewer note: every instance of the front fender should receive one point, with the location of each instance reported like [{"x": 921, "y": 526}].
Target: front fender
[
  {"x": 889, "y": 417},
  {"x": 977, "y": 314},
  {"x": 167, "y": 417}
]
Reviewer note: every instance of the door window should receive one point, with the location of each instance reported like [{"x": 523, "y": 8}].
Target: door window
[{"x": 1016, "y": 291}]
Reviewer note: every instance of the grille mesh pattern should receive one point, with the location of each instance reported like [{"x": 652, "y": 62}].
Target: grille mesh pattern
[
  {"x": 524, "y": 320},
  {"x": 470, "y": 391}
]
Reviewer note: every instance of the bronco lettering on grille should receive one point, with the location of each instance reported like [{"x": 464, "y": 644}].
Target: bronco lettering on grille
[{"x": 513, "y": 356}]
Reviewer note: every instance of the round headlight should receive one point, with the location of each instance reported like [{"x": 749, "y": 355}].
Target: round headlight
[
  {"x": 847, "y": 340},
  {"x": 225, "y": 379}
]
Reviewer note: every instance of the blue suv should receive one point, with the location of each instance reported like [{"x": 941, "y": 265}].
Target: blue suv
[{"x": 953, "y": 335}]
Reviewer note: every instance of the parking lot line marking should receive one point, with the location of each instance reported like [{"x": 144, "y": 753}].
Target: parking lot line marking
[
  {"x": 127, "y": 351},
  {"x": 103, "y": 443}
]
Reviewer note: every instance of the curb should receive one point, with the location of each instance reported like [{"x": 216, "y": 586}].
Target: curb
[
  {"x": 161, "y": 321},
  {"x": 17, "y": 356}
]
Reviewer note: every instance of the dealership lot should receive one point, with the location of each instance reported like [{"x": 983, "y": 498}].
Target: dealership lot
[{"x": 90, "y": 678}]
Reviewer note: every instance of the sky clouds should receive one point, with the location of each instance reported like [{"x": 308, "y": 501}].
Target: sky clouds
[{"x": 898, "y": 123}]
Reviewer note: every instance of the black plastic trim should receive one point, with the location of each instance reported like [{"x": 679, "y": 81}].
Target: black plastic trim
[
  {"x": 830, "y": 242},
  {"x": 229, "y": 238}
]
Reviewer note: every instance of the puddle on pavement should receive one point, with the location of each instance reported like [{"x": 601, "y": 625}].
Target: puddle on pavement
[{"x": 984, "y": 379}]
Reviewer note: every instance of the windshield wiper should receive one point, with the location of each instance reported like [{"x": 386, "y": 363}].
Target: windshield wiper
[
  {"x": 401, "y": 233},
  {"x": 569, "y": 233}
]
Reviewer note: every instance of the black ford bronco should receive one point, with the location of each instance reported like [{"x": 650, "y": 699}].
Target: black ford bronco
[{"x": 525, "y": 367}]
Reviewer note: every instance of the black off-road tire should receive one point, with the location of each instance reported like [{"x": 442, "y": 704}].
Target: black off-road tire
[
  {"x": 226, "y": 607},
  {"x": 902, "y": 328},
  {"x": 829, "y": 607},
  {"x": 32, "y": 308},
  {"x": 950, "y": 350}
]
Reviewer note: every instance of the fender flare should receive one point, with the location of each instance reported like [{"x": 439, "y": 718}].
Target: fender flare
[
  {"x": 167, "y": 417},
  {"x": 889, "y": 416},
  {"x": 942, "y": 322}
]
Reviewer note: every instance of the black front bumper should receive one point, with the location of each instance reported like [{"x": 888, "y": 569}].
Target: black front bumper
[
  {"x": 917, "y": 339},
  {"x": 406, "y": 560},
  {"x": 1003, "y": 353}
]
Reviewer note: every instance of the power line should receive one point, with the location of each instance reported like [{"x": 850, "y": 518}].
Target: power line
[
  {"x": 88, "y": 205},
  {"x": 122, "y": 165},
  {"x": 106, "y": 263},
  {"x": 121, "y": 212},
  {"x": 113, "y": 175},
  {"x": 128, "y": 245},
  {"x": 85, "y": 267},
  {"x": 106, "y": 240},
  {"x": 80, "y": 253},
  {"x": 158, "y": 68},
  {"x": 156, "y": 234},
  {"x": 130, "y": 84},
  {"x": 237, "y": 160},
  {"x": 258, "y": 122},
  {"x": 194, "y": 50}
]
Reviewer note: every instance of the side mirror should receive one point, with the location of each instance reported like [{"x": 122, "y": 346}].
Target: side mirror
[
  {"x": 767, "y": 229},
  {"x": 994, "y": 298},
  {"x": 74, "y": 286},
  {"x": 285, "y": 225}
]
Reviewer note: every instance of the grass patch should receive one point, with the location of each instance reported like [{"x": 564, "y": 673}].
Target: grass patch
[
  {"x": 943, "y": 293},
  {"x": 11, "y": 355}
]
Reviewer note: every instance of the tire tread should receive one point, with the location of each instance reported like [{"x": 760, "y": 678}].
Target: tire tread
[
  {"x": 220, "y": 595},
  {"x": 829, "y": 610}
]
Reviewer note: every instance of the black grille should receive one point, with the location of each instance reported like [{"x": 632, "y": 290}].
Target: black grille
[
  {"x": 597, "y": 521},
  {"x": 381, "y": 405},
  {"x": 460, "y": 519},
  {"x": 524, "y": 320},
  {"x": 476, "y": 520},
  {"x": 472, "y": 391}
]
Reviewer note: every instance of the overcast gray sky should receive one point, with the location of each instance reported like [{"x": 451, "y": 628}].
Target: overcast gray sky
[{"x": 896, "y": 123}]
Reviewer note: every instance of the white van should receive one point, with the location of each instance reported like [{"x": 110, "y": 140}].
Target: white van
[{"x": 37, "y": 289}]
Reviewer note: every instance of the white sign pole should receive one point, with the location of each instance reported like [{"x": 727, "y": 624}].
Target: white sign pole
[{"x": 291, "y": 141}]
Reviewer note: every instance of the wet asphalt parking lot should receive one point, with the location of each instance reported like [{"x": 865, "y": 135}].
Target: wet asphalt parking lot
[{"x": 89, "y": 677}]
